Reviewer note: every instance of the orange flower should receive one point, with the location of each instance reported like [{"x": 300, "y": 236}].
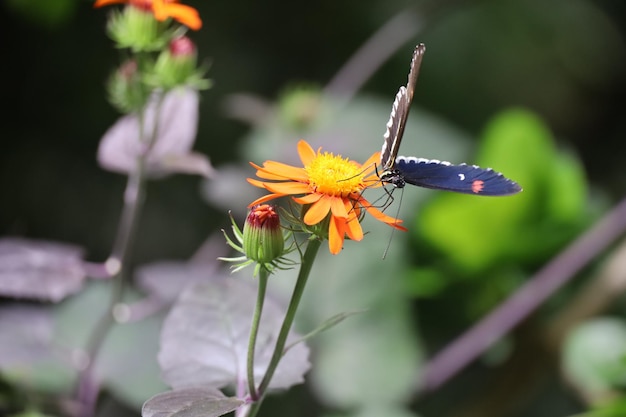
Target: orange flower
[
  {"x": 162, "y": 9},
  {"x": 330, "y": 185}
]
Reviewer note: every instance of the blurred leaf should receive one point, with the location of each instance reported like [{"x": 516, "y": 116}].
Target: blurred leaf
[
  {"x": 426, "y": 282},
  {"x": 299, "y": 107},
  {"x": 615, "y": 408},
  {"x": 567, "y": 190},
  {"x": 26, "y": 334},
  {"x": 190, "y": 163},
  {"x": 477, "y": 233},
  {"x": 326, "y": 325},
  {"x": 31, "y": 413},
  {"x": 594, "y": 356},
  {"x": 377, "y": 410},
  {"x": 39, "y": 269},
  {"x": 122, "y": 144},
  {"x": 29, "y": 356},
  {"x": 127, "y": 363},
  {"x": 204, "y": 340},
  {"x": 190, "y": 402},
  {"x": 374, "y": 357},
  {"x": 166, "y": 279},
  {"x": 45, "y": 12}
]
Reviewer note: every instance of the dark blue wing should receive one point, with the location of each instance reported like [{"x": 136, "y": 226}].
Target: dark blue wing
[{"x": 441, "y": 175}]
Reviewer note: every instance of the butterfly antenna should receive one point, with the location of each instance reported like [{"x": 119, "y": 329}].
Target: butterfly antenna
[
  {"x": 394, "y": 229},
  {"x": 363, "y": 190}
]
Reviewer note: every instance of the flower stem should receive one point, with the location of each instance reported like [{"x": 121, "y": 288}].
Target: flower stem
[
  {"x": 117, "y": 265},
  {"x": 254, "y": 330},
  {"x": 307, "y": 263}
]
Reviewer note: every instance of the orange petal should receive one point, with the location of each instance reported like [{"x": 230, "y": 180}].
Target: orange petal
[
  {"x": 318, "y": 211},
  {"x": 276, "y": 171},
  {"x": 307, "y": 154},
  {"x": 285, "y": 188},
  {"x": 287, "y": 171},
  {"x": 263, "y": 173},
  {"x": 256, "y": 183},
  {"x": 100, "y": 3},
  {"x": 371, "y": 162},
  {"x": 308, "y": 199},
  {"x": 186, "y": 15},
  {"x": 335, "y": 235},
  {"x": 263, "y": 199},
  {"x": 337, "y": 207},
  {"x": 353, "y": 226},
  {"x": 354, "y": 229},
  {"x": 391, "y": 221}
]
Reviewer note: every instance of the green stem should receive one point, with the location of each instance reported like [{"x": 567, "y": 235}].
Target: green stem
[
  {"x": 307, "y": 263},
  {"x": 258, "y": 309}
]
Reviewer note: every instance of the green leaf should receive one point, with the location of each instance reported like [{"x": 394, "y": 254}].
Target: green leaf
[
  {"x": 127, "y": 363},
  {"x": 593, "y": 357},
  {"x": 478, "y": 232},
  {"x": 426, "y": 282},
  {"x": 567, "y": 189}
]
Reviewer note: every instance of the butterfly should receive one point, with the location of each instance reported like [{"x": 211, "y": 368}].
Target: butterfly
[{"x": 432, "y": 173}]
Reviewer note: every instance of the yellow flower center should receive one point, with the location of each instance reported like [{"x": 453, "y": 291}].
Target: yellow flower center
[{"x": 334, "y": 175}]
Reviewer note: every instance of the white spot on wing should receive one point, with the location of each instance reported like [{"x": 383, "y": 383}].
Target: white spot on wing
[
  {"x": 462, "y": 177},
  {"x": 392, "y": 117},
  {"x": 422, "y": 160}
]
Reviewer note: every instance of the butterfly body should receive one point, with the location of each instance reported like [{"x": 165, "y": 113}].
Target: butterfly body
[{"x": 431, "y": 173}]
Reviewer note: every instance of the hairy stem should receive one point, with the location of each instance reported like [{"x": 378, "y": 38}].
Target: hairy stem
[
  {"x": 254, "y": 330},
  {"x": 307, "y": 263}
]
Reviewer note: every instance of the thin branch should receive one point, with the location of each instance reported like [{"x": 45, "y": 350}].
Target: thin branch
[
  {"x": 374, "y": 52},
  {"x": 458, "y": 354}
]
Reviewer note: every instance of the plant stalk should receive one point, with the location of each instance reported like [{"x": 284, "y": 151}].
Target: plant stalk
[
  {"x": 307, "y": 263},
  {"x": 254, "y": 330}
]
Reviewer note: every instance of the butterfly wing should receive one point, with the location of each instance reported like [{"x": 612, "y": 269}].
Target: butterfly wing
[
  {"x": 467, "y": 179},
  {"x": 400, "y": 113}
]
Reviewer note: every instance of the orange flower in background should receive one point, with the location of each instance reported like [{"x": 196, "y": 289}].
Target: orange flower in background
[
  {"x": 162, "y": 9},
  {"x": 330, "y": 185}
]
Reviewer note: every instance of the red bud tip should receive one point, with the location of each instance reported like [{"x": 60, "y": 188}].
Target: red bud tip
[
  {"x": 182, "y": 46},
  {"x": 264, "y": 215}
]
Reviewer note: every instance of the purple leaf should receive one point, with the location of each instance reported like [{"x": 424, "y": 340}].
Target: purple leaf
[
  {"x": 176, "y": 132},
  {"x": 166, "y": 279},
  {"x": 190, "y": 402},
  {"x": 204, "y": 339},
  {"x": 29, "y": 356},
  {"x": 40, "y": 269},
  {"x": 190, "y": 163},
  {"x": 26, "y": 334}
]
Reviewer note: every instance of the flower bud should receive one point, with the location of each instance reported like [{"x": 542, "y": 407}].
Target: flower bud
[
  {"x": 300, "y": 108},
  {"x": 176, "y": 65},
  {"x": 183, "y": 47},
  {"x": 136, "y": 28},
  {"x": 263, "y": 240},
  {"x": 126, "y": 91}
]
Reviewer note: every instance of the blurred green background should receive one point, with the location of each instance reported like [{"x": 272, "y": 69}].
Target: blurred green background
[{"x": 560, "y": 65}]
